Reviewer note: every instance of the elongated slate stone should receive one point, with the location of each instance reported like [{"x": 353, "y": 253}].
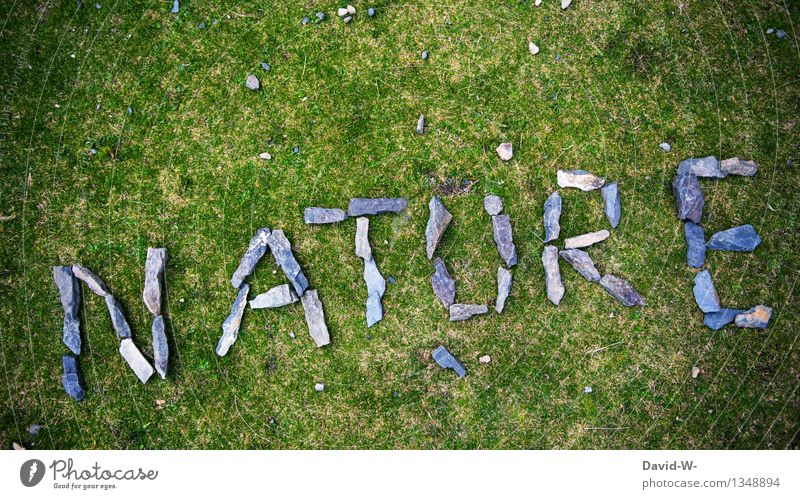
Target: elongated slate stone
[
  {"x": 757, "y": 317},
  {"x": 375, "y": 206},
  {"x": 96, "y": 284},
  {"x": 736, "y": 166},
  {"x": 230, "y": 328},
  {"x": 324, "y": 215},
  {"x": 376, "y": 286},
  {"x": 582, "y": 262},
  {"x": 552, "y": 217},
  {"x": 255, "y": 250},
  {"x": 708, "y": 167},
  {"x": 160, "y": 347},
  {"x": 695, "y": 244},
  {"x": 611, "y": 205},
  {"x": 279, "y": 296},
  {"x": 71, "y": 379},
  {"x": 721, "y": 318},
  {"x": 579, "y": 179},
  {"x": 504, "y": 239},
  {"x": 421, "y": 124},
  {"x": 621, "y": 290},
  {"x": 503, "y": 288},
  {"x": 704, "y": 293},
  {"x": 135, "y": 360},
  {"x": 446, "y": 360},
  {"x": 493, "y": 205},
  {"x": 153, "y": 278},
  {"x": 585, "y": 240},
  {"x": 70, "y": 295},
  {"x": 689, "y": 199},
  {"x": 438, "y": 221},
  {"x": 315, "y": 318},
  {"x": 552, "y": 275},
  {"x": 363, "y": 249},
  {"x": 462, "y": 311},
  {"x": 118, "y": 321},
  {"x": 444, "y": 287},
  {"x": 282, "y": 251},
  {"x": 741, "y": 238}
]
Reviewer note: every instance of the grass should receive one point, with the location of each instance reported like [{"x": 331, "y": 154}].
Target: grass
[{"x": 181, "y": 171}]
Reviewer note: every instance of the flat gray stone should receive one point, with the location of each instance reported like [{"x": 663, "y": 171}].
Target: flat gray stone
[
  {"x": 736, "y": 166},
  {"x": 279, "y": 296},
  {"x": 757, "y": 317},
  {"x": 552, "y": 217},
  {"x": 708, "y": 167},
  {"x": 71, "y": 378},
  {"x": 446, "y": 360},
  {"x": 621, "y": 290},
  {"x": 315, "y": 318},
  {"x": 95, "y": 284},
  {"x": 504, "y": 239},
  {"x": 695, "y": 244},
  {"x": 282, "y": 251},
  {"x": 586, "y": 240},
  {"x": 552, "y": 275},
  {"x": 363, "y": 249},
  {"x": 230, "y": 328},
  {"x": 493, "y": 205},
  {"x": 135, "y": 360},
  {"x": 741, "y": 238},
  {"x": 153, "y": 279},
  {"x": 375, "y": 206},
  {"x": 582, "y": 262},
  {"x": 689, "y": 199},
  {"x": 504, "y": 279},
  {"x": 462, "y": 312},
  {"x": 444, "y": 287},
  {"x": 704, "y": 293},
  {"x": 160, "y": 347},
  {"x": 70, "y": 294},
  {"x": 324, "y": 215},
  {"x": 376, "y": 287},
  {"x": 374, "y": 309},
  {"x": 438, "y": 221},
  {"x": 665, "y": 147},
  {"x": 255, "y": 250},
  {"x": 579, "y": 179},
  {"x": 421, "y": 124},
  {"x": 252, "y": 82},
  {"x": 505, "y": 151},
  {"x": 118, "y": 321},
  {"x": 611, "y": 204},
  {"x": 718, "y": 320}
]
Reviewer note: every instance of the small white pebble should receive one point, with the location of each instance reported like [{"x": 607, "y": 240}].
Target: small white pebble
[
  {"x": 485, "y": 359},
  {"x": 587, "y": 389},
  {"x": 533, "y": 48},
  {"x": 265, "y": 155},
  {"x": 319, "y": 387},
  {"x": 695, "y": 372},
  {"x": 351, "y": 10},
  {"x": 341, "y": 11}
]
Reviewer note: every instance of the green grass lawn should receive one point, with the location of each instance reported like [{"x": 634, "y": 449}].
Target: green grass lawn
[{"x": 612, "y": 81}]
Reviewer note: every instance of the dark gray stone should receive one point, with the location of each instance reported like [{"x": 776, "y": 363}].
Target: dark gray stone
[
  {"x": 757, "y": 317},
  {"x": 279, "y": 296},
  {"x": 552, "y": 217},
  {"x": 70, "y": 294},
  {"x": 135, "y": 360},
  {"x": 160, "y": 347},
  {"x": 582, "y": 262},
  {"x": 375, "y": 206},
  {"x": 611, "y": 204},
  {"x": 689, "y": 199},
  {"x": 721, "y": 318},
  {"x": 444, "y": 287},
  {"x": 493, "y": 205},
  {"x": 702, "y": 167},
  {"x": 421, "y": 124},
  {"x": 736, "y": 166},
  {"x": 621, "y": 290},
  {"x": 438, "y": 221},
  {"x": 503, "y": 288},
  {"x": 579, "y": 179},
  {"x": 255, "y": 250},
  {"x": 504, "y": 239},
  {"x": 324, "y": 215},
  {"x": 741, "y": 238},
  {"x": 153, "y": 278},
  {"x": 704, "y": 293},
  {"x": 118, "y": 321},
  {"x": 71, "y": 379},
  {"x": 230, "y": 328},
  {"x": 446, "y": 360},
  {"x": 95, "y": 284},
  {"x": 695, "y": 244},
  {"x": 552, "y": 274},
  {"x": 282, "y": 251},
  {"x": 315, "y": 318},
  {"x": 462, "y": 311}
]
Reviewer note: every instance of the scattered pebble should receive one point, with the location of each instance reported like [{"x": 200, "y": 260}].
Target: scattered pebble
[
  {"x": 780, "y": 33},
  {"x": 252, "y": 82},
  {"x": 98, "y": 6},
  {"x": 391, "y": 280},
  {"x": 265, "y": 155},
  {"x": 341, "y": 12},
  {"x": 296, "y": 150},
  {"x": 665, "y": 147},
  {"x": 130, "y": 110},
  {"x": 265, "y": 66},
  {"x": 485, "y": 359},
  {"x": 305, "y": 21},
  {"x": 587, "y": 389},
  {"x": 175, "y": 7},
  {"x": 770, "y": 31},
  {"x": 347, "y": 19},
  {"x": 371, "y": 12},
  {"x": 18, "y": 446},
  {"x": 537, "y": 3},
  {"x": 695, "y": 372},
  {"x": 421, "y": 124},
  {"x": 351, "y": 10},
  {"x": 292, "y": 335},
  {"x": 505, "y": 151},
  {"x": 321, "y": 16},
  {"x": 92, "y": 151},
  {"x": 565, "y": 4},
  {"x": 424, "y": 55},
  {"x": 533, "y": 48},
  {"x": 34, "y": 429},
  {"x": 202, "y": 25},
  {"x": 319, "y": 387}
]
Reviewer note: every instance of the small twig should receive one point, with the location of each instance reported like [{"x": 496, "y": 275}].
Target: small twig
[{"x": 590, "y": 352}]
